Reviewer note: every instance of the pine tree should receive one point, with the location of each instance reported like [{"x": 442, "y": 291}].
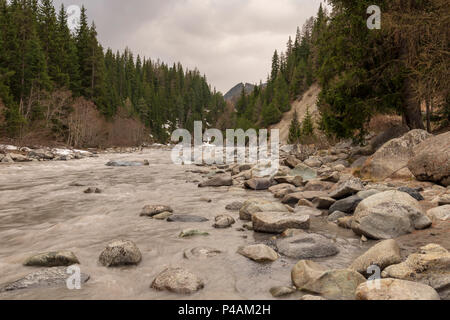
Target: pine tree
[
  {"x": 275, "y": 66},
  {"x": 295, "y": 130},
  {"x": 308, "y": 125}
]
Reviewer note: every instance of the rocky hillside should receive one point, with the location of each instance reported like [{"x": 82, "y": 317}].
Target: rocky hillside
[{"x": 233, "y": 94}]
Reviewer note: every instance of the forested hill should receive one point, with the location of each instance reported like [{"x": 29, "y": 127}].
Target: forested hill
[
  {"x": 401, "y": 69},
  {"x": 66, "y": 86}
]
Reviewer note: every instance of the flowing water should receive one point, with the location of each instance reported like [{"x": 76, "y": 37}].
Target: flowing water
[{"x": 40, "y": 211}]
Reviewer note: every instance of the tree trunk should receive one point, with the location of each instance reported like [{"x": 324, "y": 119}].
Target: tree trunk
[
  {"x": 428, "y": 115},
  {"x": 412, "y": 111}
]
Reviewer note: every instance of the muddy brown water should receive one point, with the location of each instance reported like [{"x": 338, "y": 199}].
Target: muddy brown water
[{"x": 40, "y": 212}]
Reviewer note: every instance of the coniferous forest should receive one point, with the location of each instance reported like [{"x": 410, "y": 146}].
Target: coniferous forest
[{"x": 66, "y": 86}]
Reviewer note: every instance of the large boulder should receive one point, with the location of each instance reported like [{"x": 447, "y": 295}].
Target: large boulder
[
  {"x": 120, "y": 253},
  {"x": 307, "y": 246},
  {"x": 52, "y": 259},
  {"x": 177, "y": 280},
  {"x": 394, "y": 289},
  {"x": 347, "y": 205},
  {"x": 259, "y": 253},
  {"x": 278, "y": 222},
  {"x": 218, "y": 181},
  {"x": 332, "y": 284},
  {"x": 45, "y": 278},
  {"x": 383, "y": 254},
  {"x": 393, "y": 156},
  {"x": 430, "y": 266},
  {"x": 253, "y": 206},
  {"x": 388, "y": 215},
  {"x": 432, "y": 160}
]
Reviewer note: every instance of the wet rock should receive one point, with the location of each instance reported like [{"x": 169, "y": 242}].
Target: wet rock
[
  {"x": 278, "y": 292},
  {"x": 186, "y": 218},
  {"x": 224, "y": 221},
  {"x": 432, "y": 160},
  {"x": 332, "y": 284},
  {"x": 336, "y": 215},
  {"x": 258, "y": 184},
  {"x": 388, "y": 215},
  {"x": 430, "y": 266},
  {"x": 393, "y": 155},
  {"x": 323, "y": 203},
  {"x": 412, "y": 192},
  {"x": 394, "y": 289},
  {"x": 52, "y": 259},
  {"x": 120, "y": 253},
  {"x": 304, "y": 171},
  {"x": 7, "y": 159},
  {"x": 201, "y": 253},
  {"x": 439, "y": 213},
  {"x": 192, "y": 232},
  {"x": 218, "y": 181},
  {"x": 277, "y": 222},
  {"x": 234, "y": 206},
  {"x": 253, "y": 206},
  {"x": 347, "y": 205},
  {"x": 345, "y": 222},
  {"x": 17, "y": 157},
  {"x": 259, "y": 253},
  {"x": 177, "y": 280},
  {"x": 41, "y": 154},
  {"x": 153, "y": 210},
  {"x": 293, "y": 180},
  {"x": 163, "y": 215},
  {"x": 92, "y": 190},
  {"x": 117, "y": 163},
  {"x": 294, "y": 198},
  {"x": 307, "y": 246},
  {"x": 307, "y": 211},
  {"x": 346, "y": 188},
  {"x": 46, "y": 278},
  {"x": 383, "y": 254}
]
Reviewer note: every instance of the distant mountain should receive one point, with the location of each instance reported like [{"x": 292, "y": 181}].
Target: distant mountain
[{"x": 235, "y": 92}]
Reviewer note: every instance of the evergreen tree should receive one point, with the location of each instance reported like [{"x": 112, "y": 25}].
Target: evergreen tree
[
  {"x": 308, "y": 125},
  {"x": 295, "y": 130}
]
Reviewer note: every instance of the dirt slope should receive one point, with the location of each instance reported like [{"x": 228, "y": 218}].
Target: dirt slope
[{"x": 309, "y": 99}]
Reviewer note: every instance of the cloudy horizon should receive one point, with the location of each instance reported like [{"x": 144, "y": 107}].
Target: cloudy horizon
[{"x": 230, "y": 41}]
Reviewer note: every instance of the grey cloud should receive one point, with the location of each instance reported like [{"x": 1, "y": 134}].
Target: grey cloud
[{"x": 228, "y": 40}]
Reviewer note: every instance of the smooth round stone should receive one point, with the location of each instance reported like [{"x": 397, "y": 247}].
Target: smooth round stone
[
  {"x": 186, "y": 218},
  {"x": 307, "y": 246},
  {"x": 177, "y": 280},
  {"x": 120, "y": 253}
]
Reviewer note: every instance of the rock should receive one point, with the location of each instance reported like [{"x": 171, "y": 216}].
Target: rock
[
  {"x": 359, "y": 163},
  {"x": 224, "y": 221},
  {"x": 412, "y": 192},
  {"x": 92, "y": 190},
  {"x": 277, "y": 222},
  {"x": 323, "y": 203},
  {"x": 389, "y": 215},
  {"x": 284, "y": 192},
  {"x": 308, "y": 297},
  {"x": 7, "y": 159},
  {"x": 234, "y": 206},
  {"x": 307, "y": 246},
  {"x": 367, "y": 193},
  {"x": 186, "y": 218},
  {"x": 313, "y": 162},
  {"x": 430, "y": 266},
  {"x": 383, "y": 254},
  {"x": 253, "y": 206},
  {"x": 163, "y": 215},
  {"x": 308, "y": 211},
  {"x": 41, "y": 154},
  {"x": 52, "y": 259},
  {"x": 201, "y": 253},
  {"x": 218, "y": 181},
  {"x": 153, "y": 210},
  {"x": 45, "y": 278},
  {"x": 304, "y": 171},
  {"x": 294, "y": 198},
  {"x": 345, "y": 222},
  {"x": 192, "y": 232},
  {"x": 305, "y": 203},
  {"x": 258, "y": 184},
  {"x": 347, "y": 205},
  {"x": 317, "y": 185},
  {"x": 291, "y": 162},
  {"x": 278, "y": 292},
  {"x": 394, "y": 289},
  {"x": 332, "y": 284},
  {"x": 293, "y": 180},
  {"x": 120, "y": 253},
  {"x": 336, "y": 215},
  {"x": 259, "y": 253},
  {"x": 432, "y": 160},
  {"x": 333, "y": 177},
  {"x": 177, "y": 280},
  {"x": 393, "y": 155},
  {"x": 443, "y": 200},
  {"x": 340, "y": 167},
  {"x": 439, "y": 213},
  {"x": 17, "y": 157},
  {"x": 274, "y": 189},
  {"x": 117, "y": 163},
  {"x": 346, "y": 188}
]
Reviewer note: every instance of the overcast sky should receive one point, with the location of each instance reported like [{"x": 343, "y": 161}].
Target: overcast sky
[{"x": 230, "y": 41}]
